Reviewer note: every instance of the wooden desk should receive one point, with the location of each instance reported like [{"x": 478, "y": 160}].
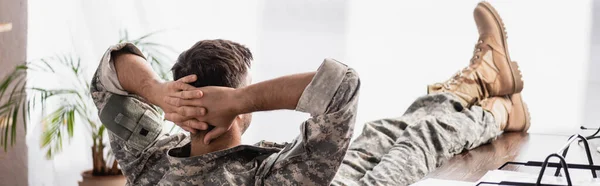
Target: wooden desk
[{"x": 472, "y": 165}]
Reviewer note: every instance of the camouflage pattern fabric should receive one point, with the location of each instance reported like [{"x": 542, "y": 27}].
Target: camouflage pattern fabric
[
  {"x": 402, "y": 150},
  {"x": 312, "y": 158}
]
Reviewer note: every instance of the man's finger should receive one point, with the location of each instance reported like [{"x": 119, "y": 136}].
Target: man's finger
[
  {"x": 177, "y": 85},
  {"x": 188, "y": 111},
  {"x": 188, "y": 94},
  {"x": 173, "y": 101},
  {"x": 202, "y": 125},
  {"x": 188, "y": 78},
  {"x": 191, "y": 130},
  {"x": 177, "y": 102},
  {"x": 182, "y": 83},
  {"x": 168, "y": 108},
  {"x": 214, "y": 133},
  {"x": 195, "y": 124}
]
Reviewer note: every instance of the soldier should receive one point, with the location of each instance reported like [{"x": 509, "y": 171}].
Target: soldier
[{"x": 213, "y": 99}]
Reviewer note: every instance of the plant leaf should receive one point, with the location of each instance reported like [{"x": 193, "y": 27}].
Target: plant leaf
[
  {"x": 45, "y": 61},
  {"x": 70, "y": 122},
  {"x": 14, "y": 125},
  {"x": 56, "y": 122},
  {"x": 5, "y": 126},
  {"x": 101, "y": 130},
  {"x": 6, "y": 83}
]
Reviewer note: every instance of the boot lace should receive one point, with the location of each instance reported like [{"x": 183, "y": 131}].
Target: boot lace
[{"x": 461, "y": 74}]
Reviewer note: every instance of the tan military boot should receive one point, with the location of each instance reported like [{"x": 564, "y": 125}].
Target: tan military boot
[
  {"x": 491, "y": 72},
  {"x": 510, "y": 112}
]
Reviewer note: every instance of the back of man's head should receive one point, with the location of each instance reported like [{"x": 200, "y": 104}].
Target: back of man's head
[{"x": 215, "y": 63}]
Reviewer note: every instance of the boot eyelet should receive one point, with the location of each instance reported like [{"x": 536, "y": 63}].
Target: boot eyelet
[
  {"x": 479, "y": 50},
  {"x": 480, "y": 41},
  {"x": 476, "y": 57}
]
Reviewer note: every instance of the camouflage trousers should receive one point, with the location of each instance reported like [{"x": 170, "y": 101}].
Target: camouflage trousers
[{"x": 400, "y": 151}]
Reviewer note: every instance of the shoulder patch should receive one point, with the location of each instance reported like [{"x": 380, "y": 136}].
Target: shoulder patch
[{"x": 130, "y": 121}]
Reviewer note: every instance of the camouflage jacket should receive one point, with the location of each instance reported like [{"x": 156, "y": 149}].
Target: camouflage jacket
[{"x": 149, "y": 156}]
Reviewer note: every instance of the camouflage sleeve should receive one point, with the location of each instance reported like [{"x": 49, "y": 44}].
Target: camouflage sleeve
[
  {"x": 315, "y": 155},
  {"x": 134, "y": 126}
]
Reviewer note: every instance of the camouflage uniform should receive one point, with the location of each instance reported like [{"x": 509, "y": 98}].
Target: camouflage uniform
[
  {"x": 400, "y": 151},
  {"x": 147, "y": 156},
  {"x": 395, "y": 151}
]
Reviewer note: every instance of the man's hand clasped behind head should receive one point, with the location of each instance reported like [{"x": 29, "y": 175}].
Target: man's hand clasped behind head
[
  {"x": 179, "y": 89},
  {"x": 212, "y": 105}
]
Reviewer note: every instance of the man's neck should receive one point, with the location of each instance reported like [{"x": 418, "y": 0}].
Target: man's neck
[{"x": 228, "y": 140}]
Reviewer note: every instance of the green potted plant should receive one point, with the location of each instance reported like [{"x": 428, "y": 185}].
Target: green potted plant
[{"x": 75, "y": 107}]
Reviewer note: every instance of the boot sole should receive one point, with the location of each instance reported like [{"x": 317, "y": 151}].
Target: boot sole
[
  {"x": 527, "y": 117},
  {"x": 514, "y": 67}
]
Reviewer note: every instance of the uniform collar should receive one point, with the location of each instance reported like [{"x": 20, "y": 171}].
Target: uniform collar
[{"x": 181, "y": 164}]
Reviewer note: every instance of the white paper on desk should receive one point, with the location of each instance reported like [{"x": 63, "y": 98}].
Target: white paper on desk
[
  {"x": 497, "y": 176},
  {"x": 433, "y": 181}
]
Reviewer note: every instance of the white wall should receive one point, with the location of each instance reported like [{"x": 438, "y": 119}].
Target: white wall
[
  {"x": 398, "y": 47},
  {"x": 414, "y": 43},
  {"x": 294, "y": 37},
  {"x": 592, "y": 97}
]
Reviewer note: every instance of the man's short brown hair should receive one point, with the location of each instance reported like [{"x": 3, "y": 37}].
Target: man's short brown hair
[{"x": 215, "y": 62}]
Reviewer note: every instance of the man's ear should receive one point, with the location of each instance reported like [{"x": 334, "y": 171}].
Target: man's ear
[
  {"x": 244, "y": 121},
  {"x": 240, "y": 118}
]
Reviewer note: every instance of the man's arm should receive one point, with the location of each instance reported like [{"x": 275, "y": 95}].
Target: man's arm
[
  {"x": 315, "y": 155},
  {"x": 226, "y": 103},
  {"x": 136, "y": 76},
  {"x": 279, "y": 93},
  {"x": 134, "y": 126},
  {"x": 330, "y": 95}
]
